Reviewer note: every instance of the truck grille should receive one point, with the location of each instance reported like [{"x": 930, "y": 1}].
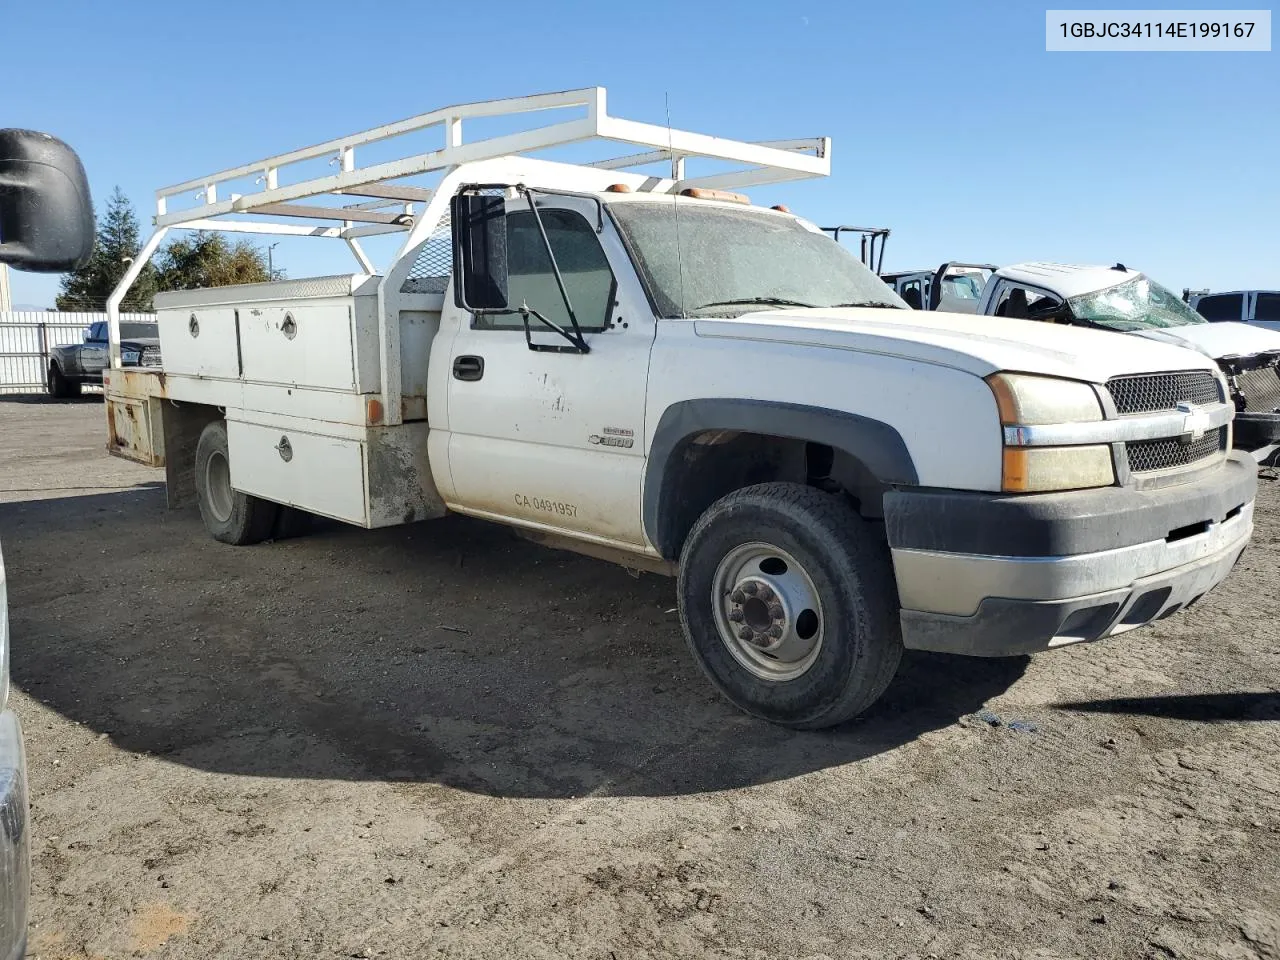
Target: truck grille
[
  {"x": 1147, "y": 393},
  {"x": 150, "y": 357},
  {"x": 1260, "y": 388},
  {"x": 1147, "y": 455}
]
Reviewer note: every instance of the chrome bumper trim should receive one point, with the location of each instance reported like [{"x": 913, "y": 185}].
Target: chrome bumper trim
[{"x": 1192, "y": 423}]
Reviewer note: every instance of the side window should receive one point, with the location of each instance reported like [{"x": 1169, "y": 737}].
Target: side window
[
  {"x": 912, "y": 291},
  {"x": 961, "y": 286},
  {"x": 1025, "y": 303},
  {"x": 530, "y": 279},
  {"x": 1267, "y": 307},
  {"x": 96, "y": 332},
  {"x": 1223, "y": 306}
]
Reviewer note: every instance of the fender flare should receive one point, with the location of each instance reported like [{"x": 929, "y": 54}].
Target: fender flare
[{"x": 874, "y": 443}]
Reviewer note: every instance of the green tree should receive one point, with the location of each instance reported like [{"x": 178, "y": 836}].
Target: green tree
[
  {"x": 117, "y": 244},
  {"x": 210, "y": 260}
]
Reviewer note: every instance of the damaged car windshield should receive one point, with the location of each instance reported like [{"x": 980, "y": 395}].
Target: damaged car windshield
[
  {"x": 731, "y": 262},
  {"x": 1137, "y": 304}
]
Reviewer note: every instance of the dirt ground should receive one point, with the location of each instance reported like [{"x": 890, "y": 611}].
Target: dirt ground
[{"x": 439, "y": 740}]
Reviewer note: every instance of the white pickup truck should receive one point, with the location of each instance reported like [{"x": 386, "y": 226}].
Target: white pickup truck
[
  {"x": 645, "y": 368},
  {"x": 1117, "y": 298}
]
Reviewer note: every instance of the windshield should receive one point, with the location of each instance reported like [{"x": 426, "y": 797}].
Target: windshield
[
  {"x": 1137, "y": 304},
  {"x": 732, "y": 262},
  {"x": 133, "y": 331}
]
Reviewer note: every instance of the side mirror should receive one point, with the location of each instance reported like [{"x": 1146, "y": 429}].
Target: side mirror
[
  {"x": 479, "y": 252},
  {"x": 46, "y": 215}
]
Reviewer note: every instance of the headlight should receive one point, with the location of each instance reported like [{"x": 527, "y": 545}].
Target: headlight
[{"x": 1025, "y": 400}]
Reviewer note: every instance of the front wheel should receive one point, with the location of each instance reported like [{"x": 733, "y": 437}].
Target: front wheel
[
  {"x": 789, "y": 605},
  {"x": 229, "y": 515}
]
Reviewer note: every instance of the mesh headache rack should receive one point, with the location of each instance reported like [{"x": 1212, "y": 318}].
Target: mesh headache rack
[{"x": 327, "y": 191}]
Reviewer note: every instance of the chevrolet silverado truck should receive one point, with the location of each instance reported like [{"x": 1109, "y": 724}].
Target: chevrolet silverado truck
[
  {"x": 647, "y": 368},
  {"x": 73, "y": 365}
]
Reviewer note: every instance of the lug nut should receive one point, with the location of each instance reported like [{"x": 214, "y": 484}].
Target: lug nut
[
  {"x": 776, "y": 632},
  {"x": 765, "y": 594},
  {"x": 746, "y": 633},
  {"x": 738, "y": 596},
  {"x": 776, "y": 611},
  {"x": 761, "y": 640},
  {"x": 735, "y": 616},
  {"x": 751, "y": 587}
]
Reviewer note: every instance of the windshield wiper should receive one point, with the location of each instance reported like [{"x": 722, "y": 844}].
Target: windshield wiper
[
  {"x": 771, "y": 301},
  {"x": 871, "y": 303}
]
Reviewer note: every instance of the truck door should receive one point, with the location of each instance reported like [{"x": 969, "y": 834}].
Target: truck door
[
  {"x": 1220, "y": 307},
  {"x": 1022, "y": 301},
  {"x": 555, "y": 439},
  {"x": 1265, "y": 311},
  {"x": 93, "y": 354}
]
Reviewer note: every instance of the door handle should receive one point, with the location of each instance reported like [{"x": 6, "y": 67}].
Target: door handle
[{"x": 468, "y": 368}]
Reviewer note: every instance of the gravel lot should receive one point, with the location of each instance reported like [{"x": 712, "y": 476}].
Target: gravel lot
[{"x": 440, "y": 740}]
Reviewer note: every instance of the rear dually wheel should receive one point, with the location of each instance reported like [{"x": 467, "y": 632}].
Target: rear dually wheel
[{"x": 229, "y": 515}]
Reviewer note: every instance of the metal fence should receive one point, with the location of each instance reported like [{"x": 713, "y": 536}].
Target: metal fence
[{"x": 26, "y": 337}]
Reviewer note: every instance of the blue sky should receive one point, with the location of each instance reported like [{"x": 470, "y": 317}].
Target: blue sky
[{"x": 950, "y": 123}]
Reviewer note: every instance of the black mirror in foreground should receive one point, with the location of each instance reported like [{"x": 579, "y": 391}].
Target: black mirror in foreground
[{"x": 46, "y": 214}]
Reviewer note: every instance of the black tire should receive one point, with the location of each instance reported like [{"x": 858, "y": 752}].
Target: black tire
[
  {"x": 859, "y": 636},
  {"x": 291, "y": 522},
  {"x": 61, "y": 388},
  {"x": 229, "y": 515}
]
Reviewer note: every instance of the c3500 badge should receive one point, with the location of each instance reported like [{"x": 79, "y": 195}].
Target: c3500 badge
[{"x": 614, "y": 437}]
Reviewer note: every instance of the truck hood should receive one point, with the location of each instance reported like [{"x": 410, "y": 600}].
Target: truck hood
[
  {"x": 1219, "y": 340},
  {"x": 976, "y": 344}
]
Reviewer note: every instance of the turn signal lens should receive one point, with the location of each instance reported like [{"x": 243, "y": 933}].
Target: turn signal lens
[
  {"x": 1025, "y": 400},
  {"x": 1039, "y": 469}
]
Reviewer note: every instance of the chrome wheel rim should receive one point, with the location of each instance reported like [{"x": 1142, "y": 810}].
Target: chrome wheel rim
[
  {"x": 217, "y": 485},
  {"x": 768, "y": 611}
]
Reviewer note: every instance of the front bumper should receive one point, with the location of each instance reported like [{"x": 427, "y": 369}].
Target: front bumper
[
  {"x": 1258, "y": 433},
  {"x": 999, "y": 575},
  {"x": 15, "y": 858}
]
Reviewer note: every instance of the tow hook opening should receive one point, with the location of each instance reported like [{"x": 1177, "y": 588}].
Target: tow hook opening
[{"x": 1190, "y": 530}]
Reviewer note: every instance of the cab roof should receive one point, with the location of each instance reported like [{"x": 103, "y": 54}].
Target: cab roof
[{"x": 1067, "y": 279}]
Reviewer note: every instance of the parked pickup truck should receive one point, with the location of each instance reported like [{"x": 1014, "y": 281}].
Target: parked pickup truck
[
  {"x": 74, "y": 365},
  {"x": 651, "y": 370},
  {"x": 1116, "y": 298}
]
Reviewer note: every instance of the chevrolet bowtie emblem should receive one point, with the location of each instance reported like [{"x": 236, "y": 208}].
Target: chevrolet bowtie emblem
[{"x": 1195, "y": 423}]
